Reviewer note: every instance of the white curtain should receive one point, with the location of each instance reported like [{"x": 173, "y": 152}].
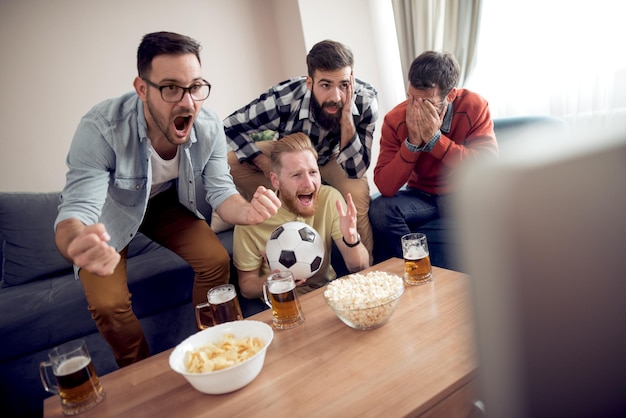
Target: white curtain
[
  {"x": 557, "y": 57},
  {"x": 440, "y": 25}
]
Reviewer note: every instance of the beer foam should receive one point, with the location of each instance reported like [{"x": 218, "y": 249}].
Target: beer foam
[
  {"x": 221, "y": 296},
  {"x": 415, "y": 253},
  {"x": 72, "y": 365},
  {"x": 281, "y": 287}
]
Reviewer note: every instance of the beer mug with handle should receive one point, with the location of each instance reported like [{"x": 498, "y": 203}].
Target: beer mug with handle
[
  {"x": 222, "y": 306},
  {"x": 417, "y": 267},
  {"x": 75, "y": 379},
  {"x": 279, "y": 293}
]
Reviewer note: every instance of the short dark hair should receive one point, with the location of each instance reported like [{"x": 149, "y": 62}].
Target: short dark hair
[
  {"x": 434, "y": 69},
  {"x": 163, "y": 43},
  {"x": 328, "y": 56}
]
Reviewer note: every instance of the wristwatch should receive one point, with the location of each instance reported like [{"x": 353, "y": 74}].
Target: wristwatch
[{"x": 358, "y": 241}]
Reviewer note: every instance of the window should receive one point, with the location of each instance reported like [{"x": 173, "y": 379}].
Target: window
[{"x": 555, "y": 57}]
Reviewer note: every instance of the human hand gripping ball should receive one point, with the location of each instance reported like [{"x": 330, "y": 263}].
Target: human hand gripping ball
[{"x": 295, "y": 247}]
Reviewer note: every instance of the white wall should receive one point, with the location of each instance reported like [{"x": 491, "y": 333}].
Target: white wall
[
  {"x": 367, "y": 27},
  {"x": 61, "y": 57}
]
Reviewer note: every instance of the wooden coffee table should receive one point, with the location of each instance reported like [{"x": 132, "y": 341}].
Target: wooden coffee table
[{"x": 422, "y": 362}]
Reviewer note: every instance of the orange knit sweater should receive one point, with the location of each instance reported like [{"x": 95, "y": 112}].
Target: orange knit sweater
[{"x": 470, "y": 135}]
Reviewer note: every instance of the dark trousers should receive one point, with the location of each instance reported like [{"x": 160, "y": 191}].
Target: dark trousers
[{"x": 401, "y": 214}]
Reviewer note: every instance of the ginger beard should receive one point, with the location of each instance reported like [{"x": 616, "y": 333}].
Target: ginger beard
[
  {"x": 297, "y": 180},
  {"x": 302, "y": 202}
]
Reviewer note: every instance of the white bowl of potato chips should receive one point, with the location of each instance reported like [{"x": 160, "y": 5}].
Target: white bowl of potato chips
[{"x": 223, "y": 358}]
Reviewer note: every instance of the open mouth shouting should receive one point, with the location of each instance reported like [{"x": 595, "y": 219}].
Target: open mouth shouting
[
  {"x": 304, "y": 204},
  {"x": 300, "y": 203},
  {"x": 306, "y": 199},
  {"x": 182, "y": 125}
]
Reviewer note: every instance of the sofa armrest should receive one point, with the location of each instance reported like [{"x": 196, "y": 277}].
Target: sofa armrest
[
  {"x": 27, "y": 232},
  {"x": 508, "y": 129}
]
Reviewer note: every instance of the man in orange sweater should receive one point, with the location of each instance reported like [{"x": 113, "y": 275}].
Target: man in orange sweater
[{"x": 423, "y": 140}]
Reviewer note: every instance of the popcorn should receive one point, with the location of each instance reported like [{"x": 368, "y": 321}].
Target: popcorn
[
  {"x": 363, "y": 300},
  {"x": 358, "y": 291}
]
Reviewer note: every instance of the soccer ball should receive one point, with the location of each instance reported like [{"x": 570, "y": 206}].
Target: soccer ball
[{"x": 297, "y": 247}]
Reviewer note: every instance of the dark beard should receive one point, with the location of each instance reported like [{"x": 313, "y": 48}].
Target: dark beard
[
  {"x": 329, "y": 122},
  {"x": 162, "y": 124}
]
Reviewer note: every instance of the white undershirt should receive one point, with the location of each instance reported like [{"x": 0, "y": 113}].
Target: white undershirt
[{"x": 164, "y": 172}]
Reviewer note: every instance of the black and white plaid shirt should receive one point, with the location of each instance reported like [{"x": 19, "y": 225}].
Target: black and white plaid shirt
[{"x": 286, "y": 108}]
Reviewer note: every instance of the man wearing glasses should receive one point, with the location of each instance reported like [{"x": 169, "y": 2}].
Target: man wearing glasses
[{"x": 132, "y": 167}]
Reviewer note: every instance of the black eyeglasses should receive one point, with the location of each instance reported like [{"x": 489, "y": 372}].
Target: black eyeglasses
[{"x": 172, "y": 93}]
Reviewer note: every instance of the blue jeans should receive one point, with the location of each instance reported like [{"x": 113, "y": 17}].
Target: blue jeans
[{"x": 403, "y": 213}]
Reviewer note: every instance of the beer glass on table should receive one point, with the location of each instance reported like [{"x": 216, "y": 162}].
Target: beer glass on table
[
  {"x": 222, "y": 306},
  {"x": 417, "y": 268},
  {"x": 75, "y": 379},
  {"x": 279, "y": 293}
]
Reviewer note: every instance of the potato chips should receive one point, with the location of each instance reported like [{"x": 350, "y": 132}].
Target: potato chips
[{"x": 225, "y": 353}]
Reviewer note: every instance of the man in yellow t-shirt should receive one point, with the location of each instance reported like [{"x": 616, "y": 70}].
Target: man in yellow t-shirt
[{"x": 295, "y": 175}]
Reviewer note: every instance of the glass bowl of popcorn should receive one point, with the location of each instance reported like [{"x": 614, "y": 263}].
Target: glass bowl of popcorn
[
  {"x": 223, "y": 358},
  {"x": 364, "y": 301}
]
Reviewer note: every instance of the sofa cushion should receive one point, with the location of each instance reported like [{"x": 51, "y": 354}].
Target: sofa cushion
[
  {"x": 42, "y": 314},
  {"x": 50, "y": 311},
  {"x": 27, "y": 229}
]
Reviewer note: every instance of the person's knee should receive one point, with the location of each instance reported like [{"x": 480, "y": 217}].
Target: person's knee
[
  {"x": 358, "y": 189},
  {"x": 232, "y": 159},
  {"x": 216, "y": 264},
  {"x": 378, "y": 210},
  {"x": 210, "y": 274},
  {"x": 110, "y": 307},
  {"x": 221, "y": 256},
  {"x": 223, "y": 262}
]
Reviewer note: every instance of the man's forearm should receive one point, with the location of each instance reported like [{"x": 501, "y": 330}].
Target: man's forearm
[
  {"x": 65, "y": 233},
  {"x": 231, "y": 209},
  {"x": 348, "y": 132}
]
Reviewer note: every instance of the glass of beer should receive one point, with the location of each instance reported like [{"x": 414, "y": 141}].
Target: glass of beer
[
  {"x": 75, "y": 379},
  {"x": 417, "y": 268},
  {"x": 279, "y": 293},
  {"x": 222, "y": 306}
]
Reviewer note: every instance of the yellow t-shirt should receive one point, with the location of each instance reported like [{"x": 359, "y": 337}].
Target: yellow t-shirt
[{"x": 249, "y": 240}]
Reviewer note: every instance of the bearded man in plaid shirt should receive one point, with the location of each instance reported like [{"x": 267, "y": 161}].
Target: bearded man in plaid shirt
[{"x": 337, "y": 111}]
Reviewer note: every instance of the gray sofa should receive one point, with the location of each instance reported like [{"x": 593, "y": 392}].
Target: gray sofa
[{"x": 42, "y": 305}]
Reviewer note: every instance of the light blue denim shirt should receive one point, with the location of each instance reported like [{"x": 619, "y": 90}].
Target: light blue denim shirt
[{"x": 109, "y": 170}]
